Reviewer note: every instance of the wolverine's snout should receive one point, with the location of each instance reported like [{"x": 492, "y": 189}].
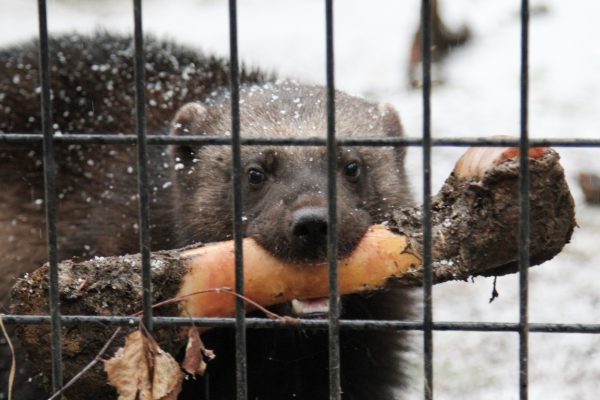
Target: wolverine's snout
[{"x": 309, "y": 226}]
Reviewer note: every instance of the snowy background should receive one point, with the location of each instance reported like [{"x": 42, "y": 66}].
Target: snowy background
[{"x": 479, "y": 98}]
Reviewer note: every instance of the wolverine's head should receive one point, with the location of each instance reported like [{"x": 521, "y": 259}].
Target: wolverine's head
[{"x": 284, "y": 188}]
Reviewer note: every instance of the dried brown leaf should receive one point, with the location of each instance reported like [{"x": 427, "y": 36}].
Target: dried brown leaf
[
  {"x": 194, "y": 363},
  {"x": 128, "y": 371},
  {"x": 167, "y": 378}
]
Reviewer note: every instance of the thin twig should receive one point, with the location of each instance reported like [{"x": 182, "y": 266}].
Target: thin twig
[
  {"x": 495, "y": 293},
  {"x": 13, "y": 364},
  {"x": 227, "y": 290}
]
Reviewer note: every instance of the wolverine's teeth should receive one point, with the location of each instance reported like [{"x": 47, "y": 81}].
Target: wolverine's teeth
[{"x": 310, "y": 306}]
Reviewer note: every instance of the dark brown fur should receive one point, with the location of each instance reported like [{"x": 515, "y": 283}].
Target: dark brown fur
[{"x": 191, "y": 194}]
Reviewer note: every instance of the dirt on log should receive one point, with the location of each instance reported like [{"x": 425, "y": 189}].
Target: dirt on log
[
  {"x": 101, "y": 286},
  {"x": 475, "y": 232},
  {"x": 476, "y": 218}
]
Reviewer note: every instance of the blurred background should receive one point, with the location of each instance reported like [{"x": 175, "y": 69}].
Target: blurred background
[{"x": 477, "y": 94}]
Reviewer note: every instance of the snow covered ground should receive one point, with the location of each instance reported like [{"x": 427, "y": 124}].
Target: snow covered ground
[{"x": 479, "y": 98}]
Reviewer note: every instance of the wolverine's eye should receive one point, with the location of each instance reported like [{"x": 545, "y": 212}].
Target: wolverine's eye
[
  {"x": 256, "y": 177},
  {"x": 352, "y": 170}
]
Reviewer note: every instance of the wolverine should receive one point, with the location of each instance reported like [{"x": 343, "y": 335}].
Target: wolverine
[{"x": 284, "y": 192}]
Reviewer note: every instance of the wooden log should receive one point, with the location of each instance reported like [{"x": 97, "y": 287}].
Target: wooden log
[{"x": 475, "y": 232}]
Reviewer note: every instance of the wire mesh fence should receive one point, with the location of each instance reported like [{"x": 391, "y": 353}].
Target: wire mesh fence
[{"x": 333, "y": 324}]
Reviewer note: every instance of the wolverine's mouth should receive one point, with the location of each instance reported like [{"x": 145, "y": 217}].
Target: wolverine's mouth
[{"x": 311, "y": 308}]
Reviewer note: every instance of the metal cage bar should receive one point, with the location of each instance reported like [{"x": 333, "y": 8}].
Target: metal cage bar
[
  {"x": 332, "y": 236},
  {"x": 427, "y": 219},
  {"x": 50, "y": 197},
  {"x": 27, "y": 138},
  {"x": 142, "y": 163},
  {"x": 262, "y": 323},
  {"x": 524, "y": 220},
  {"x": 334, "y": 324},
  {"x": 240, "y": 310}
]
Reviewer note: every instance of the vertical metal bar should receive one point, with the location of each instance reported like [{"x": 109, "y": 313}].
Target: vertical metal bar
[
  {"x": 332, "y": 239},
  {"x": 428, "y": 275},
  {"x": 240, "y": 316},
  {"x": 142, "y": 162},
  {"x": 50, "y": 197},
  {"x": 524, "y": 227}
]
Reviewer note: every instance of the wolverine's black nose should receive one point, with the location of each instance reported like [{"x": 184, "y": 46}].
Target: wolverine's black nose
[{"x": 310, "y": 226}]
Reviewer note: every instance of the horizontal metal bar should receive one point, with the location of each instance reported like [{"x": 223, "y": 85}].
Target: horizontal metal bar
[
  {"x": 261, "y": 323},
  {"x": 17, "y": 138}
]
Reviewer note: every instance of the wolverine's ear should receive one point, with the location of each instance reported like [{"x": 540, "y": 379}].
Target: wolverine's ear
[
  {"x": 390, "y": 120},
  {"x": 191, "y": 119}
]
